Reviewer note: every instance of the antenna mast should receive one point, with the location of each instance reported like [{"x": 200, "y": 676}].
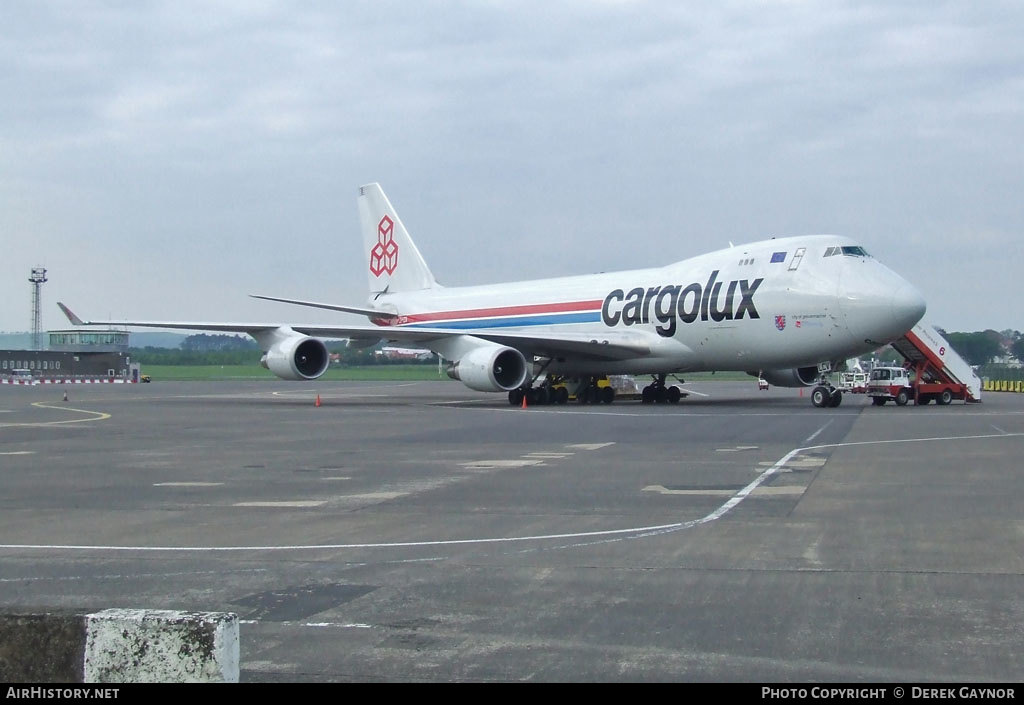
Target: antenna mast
[{"x": 38, "y": 278}]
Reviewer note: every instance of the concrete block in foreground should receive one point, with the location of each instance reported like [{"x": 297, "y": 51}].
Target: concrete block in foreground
[{"x": 120, "y": 646}]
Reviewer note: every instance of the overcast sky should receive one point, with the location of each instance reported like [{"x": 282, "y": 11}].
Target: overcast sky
[{"x": 164, "y": 160}]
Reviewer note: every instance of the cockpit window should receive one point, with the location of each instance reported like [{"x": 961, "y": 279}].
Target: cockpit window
[{"x": 849, "y": 251}]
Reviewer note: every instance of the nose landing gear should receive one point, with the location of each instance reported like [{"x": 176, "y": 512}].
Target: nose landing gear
[{"x": 826, "y": 396}]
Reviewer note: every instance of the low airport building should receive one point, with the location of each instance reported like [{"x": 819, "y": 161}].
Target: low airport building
[{"x": 75, "y": 356}]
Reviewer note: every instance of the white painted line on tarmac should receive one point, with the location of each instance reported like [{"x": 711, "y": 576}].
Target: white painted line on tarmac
[
  {"x": 187, "y": 484},
  {"x": 590, "y": 446},
  {"x": 128, "y": 576},
  {"x": 711, "y": 492},
  {"x": 661, "y": 489},
  {"x": 799, "y": 463},
  {"x": 18, "y": 452},
  {"x": 815, "y": 434},
  {"x": 373, "y": 496},
  {"x": 690, "y": 391},
  {"x": 316, "y": 625},
  {"x": 517, "y": 463},
  {"x": 590, "y": 536},
  {"x": 780, "y": 490},
  {"x": 298, "y": 503}
]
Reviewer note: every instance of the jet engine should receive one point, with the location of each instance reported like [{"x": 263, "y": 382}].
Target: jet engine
[
  {"x": 490, "y": 368},
  {"x": 297, "y": 357},
  {"x": 794, "y": 377}
]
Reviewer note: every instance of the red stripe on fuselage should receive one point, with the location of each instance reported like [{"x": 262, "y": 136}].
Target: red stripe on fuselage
[{"x": 491, "y": 312}]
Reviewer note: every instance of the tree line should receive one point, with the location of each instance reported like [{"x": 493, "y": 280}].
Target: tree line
[{"x": 988, "y": 346}]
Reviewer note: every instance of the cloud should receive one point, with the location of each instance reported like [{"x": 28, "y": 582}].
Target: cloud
[{"x": 218, "y": 144}]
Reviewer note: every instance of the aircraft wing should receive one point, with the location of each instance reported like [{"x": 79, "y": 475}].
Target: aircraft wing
[
  {"x": 369, "y": 312},
  {"x": 610, "y": 346}
]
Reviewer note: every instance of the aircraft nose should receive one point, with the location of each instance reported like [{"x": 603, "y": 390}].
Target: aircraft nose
[
  {"x": 878, "y": 305},
  {"x": 908, "y": 306}
]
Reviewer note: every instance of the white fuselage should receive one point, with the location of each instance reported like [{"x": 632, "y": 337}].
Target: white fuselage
[{"x": 781, "y": 303}]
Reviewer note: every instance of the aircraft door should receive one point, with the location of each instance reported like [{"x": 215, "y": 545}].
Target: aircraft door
[{"x": 797, "y": 258}]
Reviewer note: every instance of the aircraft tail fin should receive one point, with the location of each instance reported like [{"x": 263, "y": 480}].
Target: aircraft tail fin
[{"x": 393, "y": 262}]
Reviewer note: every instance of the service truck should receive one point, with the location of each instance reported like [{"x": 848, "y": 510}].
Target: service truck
[{"x": 933, "y": 372}]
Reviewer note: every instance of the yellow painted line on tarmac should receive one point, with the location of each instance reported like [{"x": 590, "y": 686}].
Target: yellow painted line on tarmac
[
  {"x": 92, "y": 416},
  {"x": 96, "y": 415}
]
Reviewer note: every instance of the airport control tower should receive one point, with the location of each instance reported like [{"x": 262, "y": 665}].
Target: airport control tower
[{"x": 37, "y": 279}]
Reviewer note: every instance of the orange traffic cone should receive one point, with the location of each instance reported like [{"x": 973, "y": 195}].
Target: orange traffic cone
[
  {"x": 524, "y": 400},
  {"x": 318, "y": 400}
]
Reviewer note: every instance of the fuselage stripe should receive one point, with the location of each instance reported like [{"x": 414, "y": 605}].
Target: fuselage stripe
[{"x": 503, "y": 316}]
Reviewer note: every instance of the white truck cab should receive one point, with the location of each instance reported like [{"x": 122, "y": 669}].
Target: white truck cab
[{"x": 890, "y": 383}]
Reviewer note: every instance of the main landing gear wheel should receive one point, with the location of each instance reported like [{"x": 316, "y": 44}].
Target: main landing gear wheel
[
  {"x": 820, "y": 396},
  {"x": 540, "y": 396},
  {"x": 658, "y": 392},
  {"x": 835, "y": 399}
]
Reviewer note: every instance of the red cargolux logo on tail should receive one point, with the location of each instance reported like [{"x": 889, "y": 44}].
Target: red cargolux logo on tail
[{"x": 384, "y": 255}]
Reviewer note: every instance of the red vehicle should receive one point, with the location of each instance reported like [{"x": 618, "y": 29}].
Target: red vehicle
[
  {"x": 933, "y": 372},
  {"x": 895, "y": 384}
]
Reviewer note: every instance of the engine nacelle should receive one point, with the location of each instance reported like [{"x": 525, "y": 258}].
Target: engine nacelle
[
  {"x": 297, "y": 357},
  {"x": 491, "y": 368},
  {"x": 794, "y": 377}
]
